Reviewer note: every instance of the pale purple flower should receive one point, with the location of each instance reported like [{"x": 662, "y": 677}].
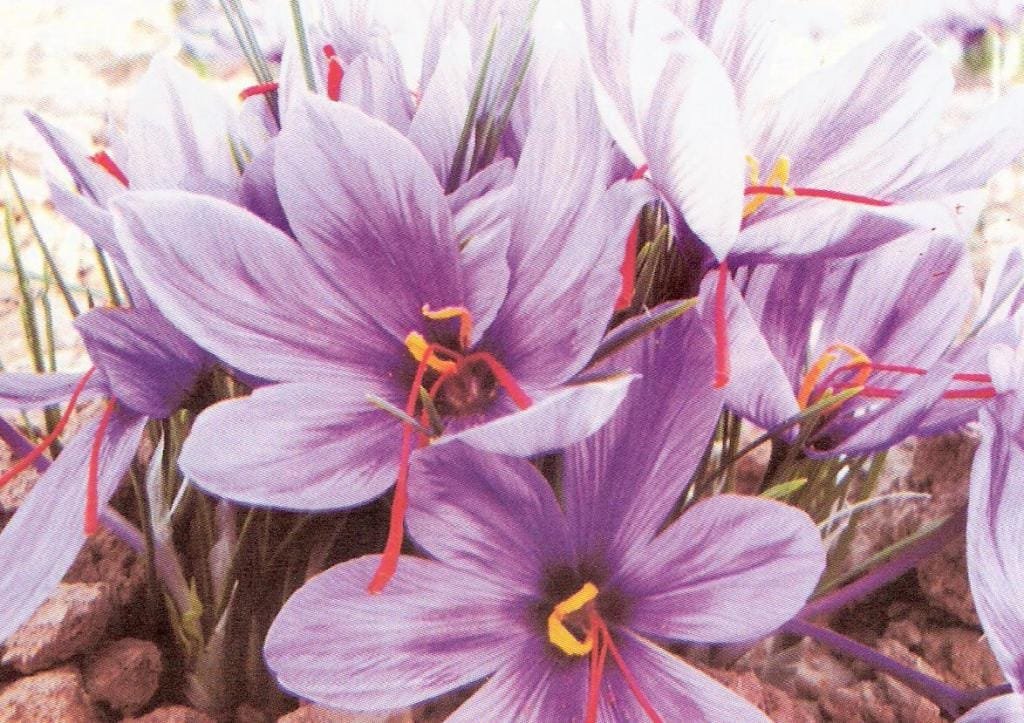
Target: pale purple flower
[
  {"x": 995, "y": 529},
  {"x": 540, "y": 599},
  {"x": 847, "y": 154},
  {"x": 348, "y": 310}
]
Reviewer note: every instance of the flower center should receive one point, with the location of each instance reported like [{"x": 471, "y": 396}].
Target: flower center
[
  {"x": 463, "y": 382},
  {"x": 859, "y": 361},
  {"x": 577, "y": 617}
]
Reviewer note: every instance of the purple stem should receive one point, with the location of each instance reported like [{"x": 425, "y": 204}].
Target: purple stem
[
  {"x": 882, "y": 575},
  {"x": 20, "y": 446},
  {"x": 949, "y": 699}
]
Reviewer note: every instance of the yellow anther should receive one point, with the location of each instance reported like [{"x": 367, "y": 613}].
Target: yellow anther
[
  {"x": 755, "y": 170},
  {"x": 778, "y": 177},
  {"x": 558, "y": 634},
  {"x": 418, "y": 347},
  {"x": 452, "y": 312},
  {"x": 813, "y": 375}
]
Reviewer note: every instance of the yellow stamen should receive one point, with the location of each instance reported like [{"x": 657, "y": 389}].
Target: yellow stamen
[
  {"x": 418, "y": 346},
  {"x": 755, "y": 170},
  {"x": 778, "y": 177},
  {"x": 558, "y": 634},
  {"x": 452, "y": 312},
  {"x": 857, "y": 357}
]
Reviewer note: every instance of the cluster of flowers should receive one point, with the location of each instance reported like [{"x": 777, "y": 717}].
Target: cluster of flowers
[{"x": 540, "y": 259}]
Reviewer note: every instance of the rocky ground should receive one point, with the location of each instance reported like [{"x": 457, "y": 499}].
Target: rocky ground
[{"x": 91, "y": 654}]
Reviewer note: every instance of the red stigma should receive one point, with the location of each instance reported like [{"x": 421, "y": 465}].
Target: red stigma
[
  {"x": 815, "y": 193},
  {"x": 49, "y": 439},
  {"x": 92, "y": 494},
  {"x": 640, "y": 172},
  {"x": 261, "y": 89},
  {"x": 335, "y": 73},
  {"x": 604, "y": 644},
  {"x": 104, "y": 161},
  {"x": 628, "y": 270},
  {"x": 721, "y": 329},
  {"x": 396, "y": 524}
]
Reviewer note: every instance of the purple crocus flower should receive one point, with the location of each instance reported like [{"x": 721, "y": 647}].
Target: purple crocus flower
[
  {"x": 925, "y": 397},
  {"x": 848, "y": 150},
  {"x": 376, "y": 298},
  {"x": 995, "y": 556},
  {"x": 834, "y": 326},
  {"x": 563, "y": 609}
]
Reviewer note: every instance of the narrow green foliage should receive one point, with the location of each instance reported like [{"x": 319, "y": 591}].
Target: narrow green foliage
[
  {"x": 30, "y": 326},
  {"x": 386, "y": 406},
  {"x": 784, "y": 489},
  {"x": 618, "y": 339},
  {"x": 436, "y": 425},
  {"x": 108, "y": 278},
  {"x": 58, "y": 277},
  {"x": 459, "y": 159},
  {"x": 300, "y": 34}
]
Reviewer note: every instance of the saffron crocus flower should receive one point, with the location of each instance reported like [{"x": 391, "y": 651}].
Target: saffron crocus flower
[
  {"x": 376, "y": 302},
  {"x": 834, "y": 326},
  {"x": 840, "y": 163},
  {"x": 563, "y": 609},
  {"x": 995, "y": 557},
  {"x": 900, "y": 399}
]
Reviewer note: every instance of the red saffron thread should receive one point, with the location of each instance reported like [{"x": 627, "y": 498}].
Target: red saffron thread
[
  {"x": 815, "y": 193},
  {"x": 104, "y": 161},
  {"x": 628, "y": 270},
  {"x": 261, "y": 89},
  {"x": 92, "y": 489},
  {"x": 49, "y": 439},
  {"x": 335, "y": 73},
  {"x": 721, "y": 329},
  {"x": 396, "y": 526}
]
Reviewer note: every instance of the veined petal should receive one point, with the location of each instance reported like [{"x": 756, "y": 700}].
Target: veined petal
[
  {"x": 299, "y": 446},
  {"x": 676, "y": 691},
  {"x": 243, "y": 290},
  {"x": 441, "y": 114},
  {"x": 365, "y": 204},
  {"x": 620, "y": 485},
  {"x": 561, "y": 296},
  {"x": 371, "y": 87},
  {"x": 150, "y": 365},
  {"x": 609, "y": 32},
  {"x": 696, "y": 157},
  {"x": 857, "y": 124},
  {"x": 34, "y": 391},
  {"x": 968, "y": 157},
  {"x": 431, "y": 630},
  {"x": 530, "y": 688},
  {"x": 90, "y": 178},
  {"x": 178, "y": 131},
  {"x": 561, "y": 418},
  {"x": 45, "y": 535},
  {"x": 486, "y": 514},
  {"x": 758, "y": 388},
  {"x": 695, "y": 581},
  {"x": 995, "y": 535}
]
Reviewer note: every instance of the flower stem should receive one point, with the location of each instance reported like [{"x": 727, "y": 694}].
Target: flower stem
[
  {"x": 951, "y": 700},
  {"x": 954, "y": 525}
]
